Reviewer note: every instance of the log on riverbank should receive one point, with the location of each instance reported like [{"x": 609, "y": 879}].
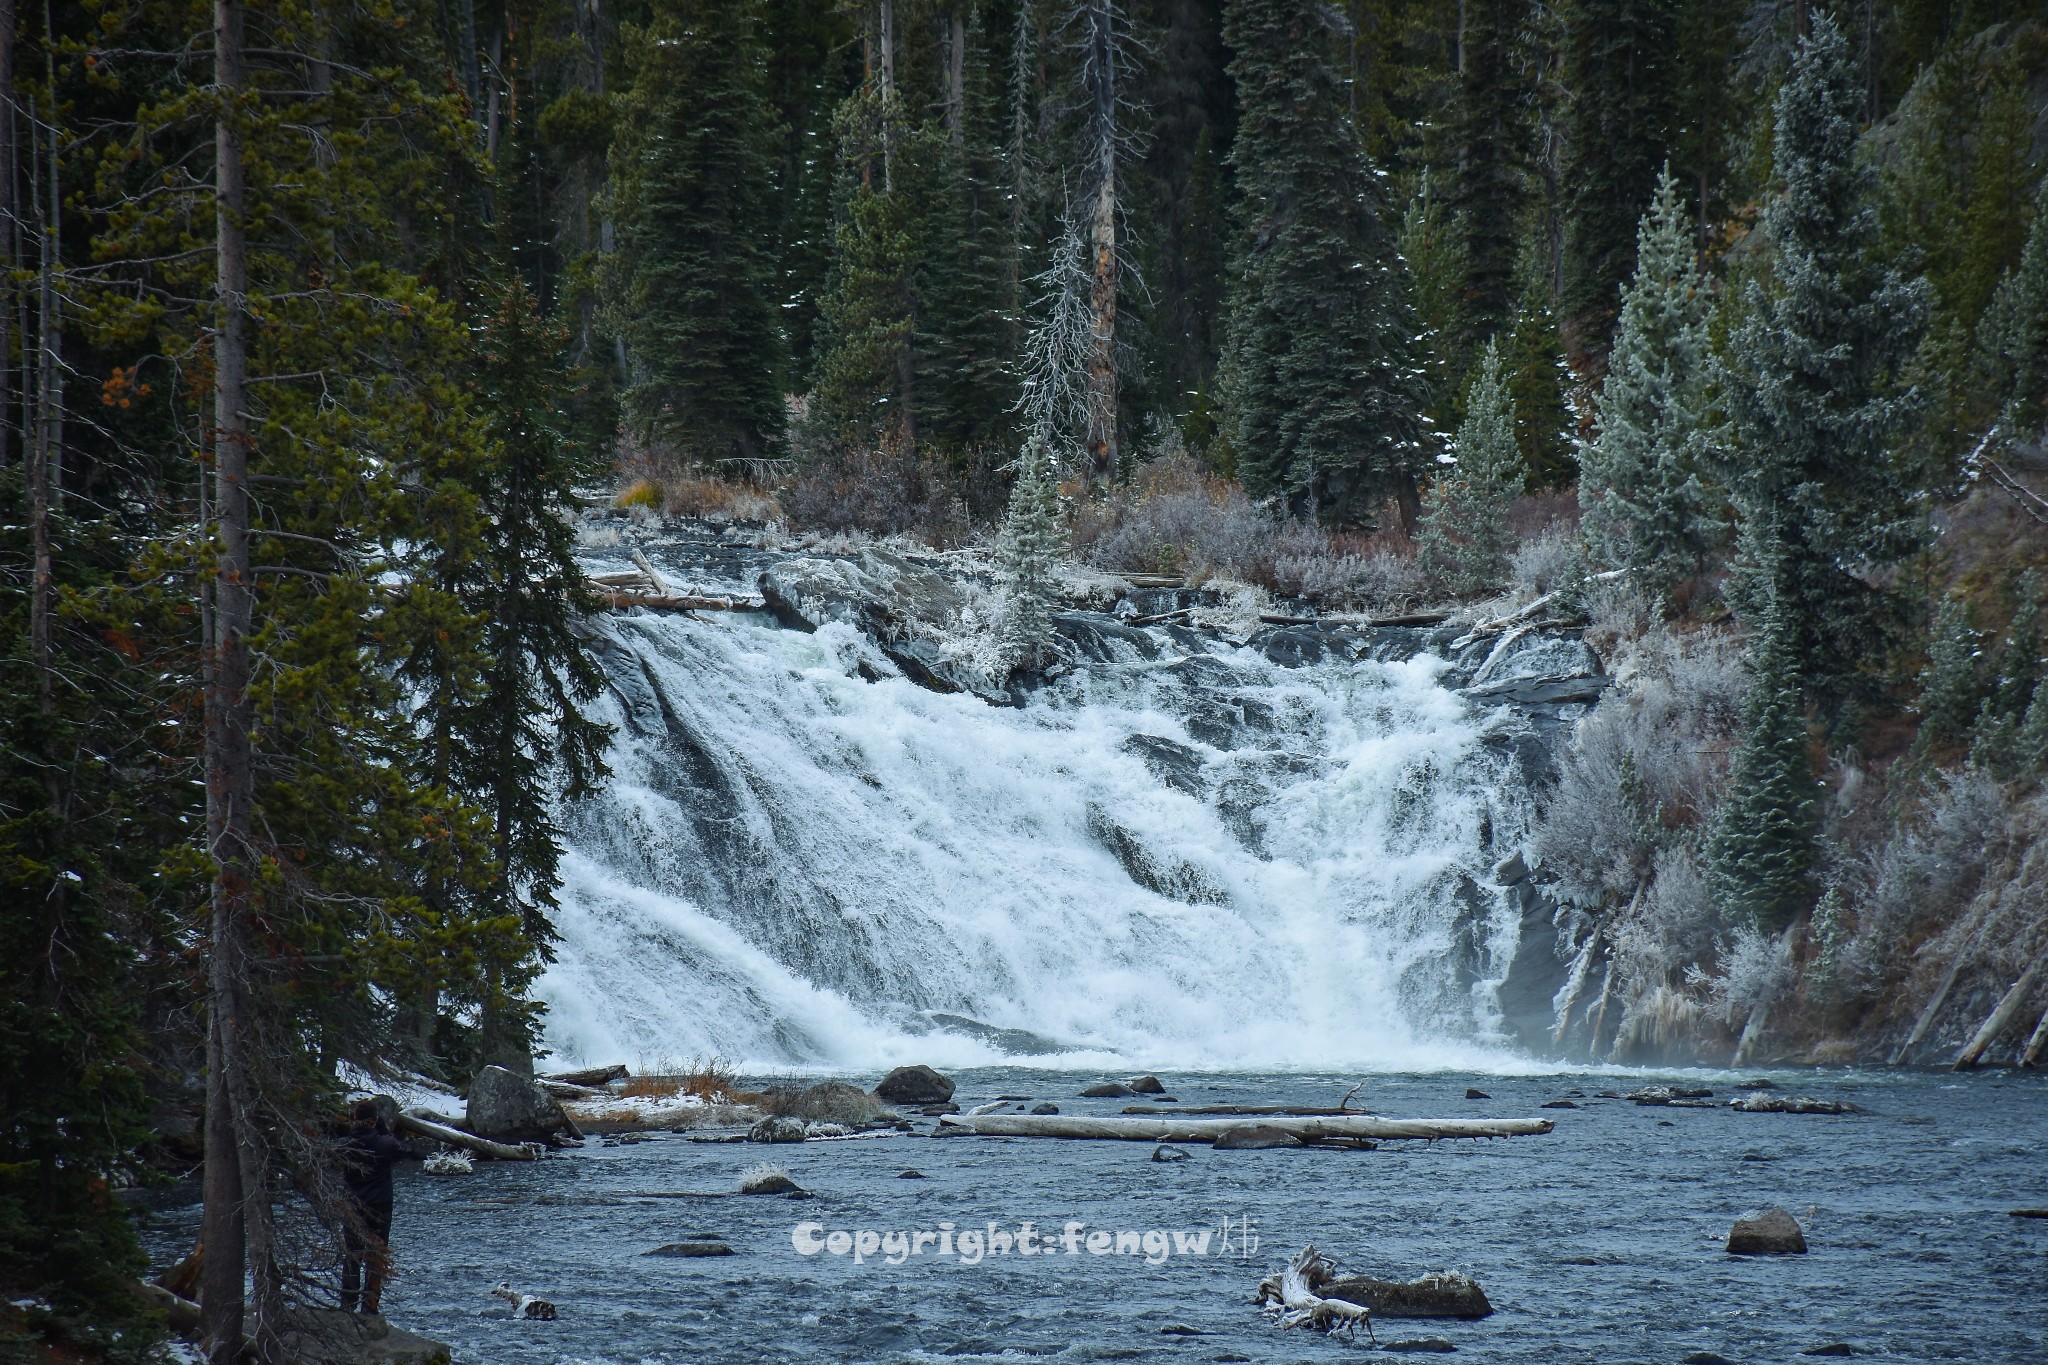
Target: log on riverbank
[
  {"x": 1299, "y": 1111},
  {"x": 455, "y": 1137},
  {"x": 1130, "y": 1128}
]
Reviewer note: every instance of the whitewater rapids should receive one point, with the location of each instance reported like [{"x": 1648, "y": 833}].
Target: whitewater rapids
[{"x": 1204, "y": 860}]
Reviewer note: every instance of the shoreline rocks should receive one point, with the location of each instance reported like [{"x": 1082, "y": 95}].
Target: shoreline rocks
[{"x": 914, "y": 1085}]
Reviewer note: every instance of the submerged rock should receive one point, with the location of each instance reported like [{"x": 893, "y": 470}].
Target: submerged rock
[
  {"x": 1761, "y": 1103},
  {"x": 1444, "y": 1295},
  {"x": 766, "y": 1179},
  {"x": 1251, "y": 1137},
  {"x": 691, "y": 1249},
  {"x": 1434, "y": 1344},
  {"x": 510, "y": 1108},
  {"x": 1704, "y": 1358},
  {"x": 1773, "y": 1233},
  {"x": 1147, "y": 1085},
  {"x": 1165, "y": 1153},
  {"x": 1666, "y": 1094},
  {"x": 910, "y": 1175},
  {"x": 1473, "y": 1094},
  {"x": 1046, "y": 1108},
  {"x": 917, "y": 1084},
  {"x": 1107, "y": 1090},
  {"x": 1558, "y": 1104}
]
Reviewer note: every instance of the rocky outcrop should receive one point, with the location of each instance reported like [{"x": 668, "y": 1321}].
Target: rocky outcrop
[
  {"x": 505, "y": 1107},
  {"x": 1446, "y": 1295},
  {"x": 905, "y": 607},
  {"x": 917, "y": 1084}
]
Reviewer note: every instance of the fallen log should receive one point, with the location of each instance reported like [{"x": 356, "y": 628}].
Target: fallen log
[
  {"x": 2030, "y": 1057},
  {"x": 2000, "y": 1019},
  {"x": 590, "y": 1075},
  {"x": 1300, "y": 1111},
  {"x": 621, "y": 598},
  {"x": 455, "y": 1137},
  {"x": 1177, "y": 1129}
]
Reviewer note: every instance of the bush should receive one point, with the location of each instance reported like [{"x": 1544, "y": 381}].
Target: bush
[
  {"x": 878, "y": 495},
  {"x": 825, "y": 1102}
]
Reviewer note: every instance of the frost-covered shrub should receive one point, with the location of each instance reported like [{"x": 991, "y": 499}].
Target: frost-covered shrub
[
  {"x": 1547, "y": 561},
  {"x": 879, "y": 495},
  {"x": 1754, "y": 969}
]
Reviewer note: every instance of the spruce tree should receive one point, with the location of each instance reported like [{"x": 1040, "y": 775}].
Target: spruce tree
[
  {"x": 1320, "y": 378},
  {"x": 1951, "y": 685},
  {"x": 694, "y": 291},
  {"x": 1646, "y": 506},
  {"x": 1995, "y": 746},
  {"x": 1619, "y": 69},
  {"x": 1491, "y": 142},
  {"x": 1762, "y": 845},
  {"x": 1810, "y": 379},
  {"x": 1464, "y": 536},
  {"x": 1033, "y": 543},
  {"x": 2012, "y": 339}
]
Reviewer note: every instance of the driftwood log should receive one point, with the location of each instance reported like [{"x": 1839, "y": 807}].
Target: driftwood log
[
  {"x": 2001, "y": 1017},
  {"x": 1292, "y": 1296},
  {"x": 1130, "y": 1128},
  {"x": 455, "y": 1137},
  {"x": 1301, "y": 1111},
  {"x": 2036, "y": 1045},
  {"x": 590, "y": 1075}
]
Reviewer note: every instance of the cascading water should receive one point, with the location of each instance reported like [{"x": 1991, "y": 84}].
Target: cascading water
[{"x": 1202, "y": 859}]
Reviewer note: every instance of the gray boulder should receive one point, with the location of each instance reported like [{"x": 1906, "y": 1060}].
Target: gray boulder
[
  {"x": 1165, "y": 1153},
  {"x": 1108, "y": 1090},
  {"x": 1774, "y": 1233},
  {"x": 1147, "y": 1085},
  {"x": 506, "y": 1107},
  {"x": 914, "y": 1085},
  {"x": 1445, "y": 1295}
]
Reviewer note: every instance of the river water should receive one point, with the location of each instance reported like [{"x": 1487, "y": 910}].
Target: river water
[{"x": 1601, "y": 1241}]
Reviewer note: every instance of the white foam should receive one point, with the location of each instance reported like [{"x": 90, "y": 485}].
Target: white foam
[{"x": 791, "y": 864}]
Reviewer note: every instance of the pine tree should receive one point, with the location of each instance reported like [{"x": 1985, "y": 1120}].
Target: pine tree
[
  {"x": 1320, "y": 378},
  {"x": 1762, "y": 845},
  {"x": 2012, "y": 339},
  {"x": 1646, "y": 506},
  {"x": 1486, "y": 178},
  {"x": 1465, "y": 537},
  {"x": 694, "y": 290},
  {"x": 1033, "y": 543},
  {"x": 1810, "y": 380},
  {"x": 1951, "y": 685},
  {"x": 1996, "y": 746},
  {"x": 1618, "y": 67}
]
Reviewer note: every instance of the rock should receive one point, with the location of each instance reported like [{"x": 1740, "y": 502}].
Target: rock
[
  {"x": 1791, "y": 1104},
  {"x": 1472, "y": 1094},
  {"x": 1557, "y": 1104},
  {"x": 328, "y": 1336},
  {"x": 1251, "y": 1137},
  {"x": 1775, "y": 1233},
  {"x": 765, "y": 1179},
  {"x": 910, "y": 1175},
  {"x": 510, "y": 1108},
  {"x": 1436, "y": 1344},
  {"x": 1833, "y": 1348},
  {"x": 2029, "y": 1213},
  {"x": 1704, "y": 1358},
  {"x": 1758, "y": 1084},
  {"x": 914, "y": 1085},
  {"x": 903, "y": 606},
  {"x": 691, "y": 1249},
  {"x": 1181, "y": 1329},
  {"x": 1147, "y": 1085},
  {"x": 589, "y": 1076},
  {"x": 932, "y": 1111},
  {"x": 1665, "y": 1094},
  {"x": 1018, "y": 1042},
  {"x": 1108, "y": 1090},
  {"x": 1165, "y": 1153},
  {"x": 1046, "y": 1108},
  {"x": 777, "y": 1128},
  {"x": 1444, "y": 1295},
  {"x": 452, "y": 1161}
]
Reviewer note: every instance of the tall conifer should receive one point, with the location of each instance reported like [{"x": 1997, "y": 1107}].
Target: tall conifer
[{"x": 1320, "y": 378}]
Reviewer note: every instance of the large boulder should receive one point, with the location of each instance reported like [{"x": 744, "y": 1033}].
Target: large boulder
[
  {"x": 1445, "y": 1295},
  {"x": 1775, "y": 1233},
  {"x": 511, "y": 1108},
  {"x": 914, "y": 1085}
]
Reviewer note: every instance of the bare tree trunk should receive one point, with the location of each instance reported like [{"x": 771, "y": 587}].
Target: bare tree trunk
[
  {"x": 2001, "y": 1017},
  {"x": 887, "y": 42},
  {"x": 38, "y": 445},
  {"x": 1102, "y": 376},
  {"x": 236, "y": 1215},
  {"x": 10, "y": 228},
  {"x": 956, "y": 80}
]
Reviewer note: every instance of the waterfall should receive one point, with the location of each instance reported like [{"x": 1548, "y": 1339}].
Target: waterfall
[{"x": 1203, "y": 859}]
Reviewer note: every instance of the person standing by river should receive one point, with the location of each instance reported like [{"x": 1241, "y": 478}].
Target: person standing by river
[{"x": 367, "y": 1156}]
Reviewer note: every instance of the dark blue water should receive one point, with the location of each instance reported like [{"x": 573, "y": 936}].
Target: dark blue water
[{"x": 1599, "y": 1242}]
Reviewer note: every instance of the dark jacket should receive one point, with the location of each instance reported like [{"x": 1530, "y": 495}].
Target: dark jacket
[{"x": 366, "y": 1164}]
